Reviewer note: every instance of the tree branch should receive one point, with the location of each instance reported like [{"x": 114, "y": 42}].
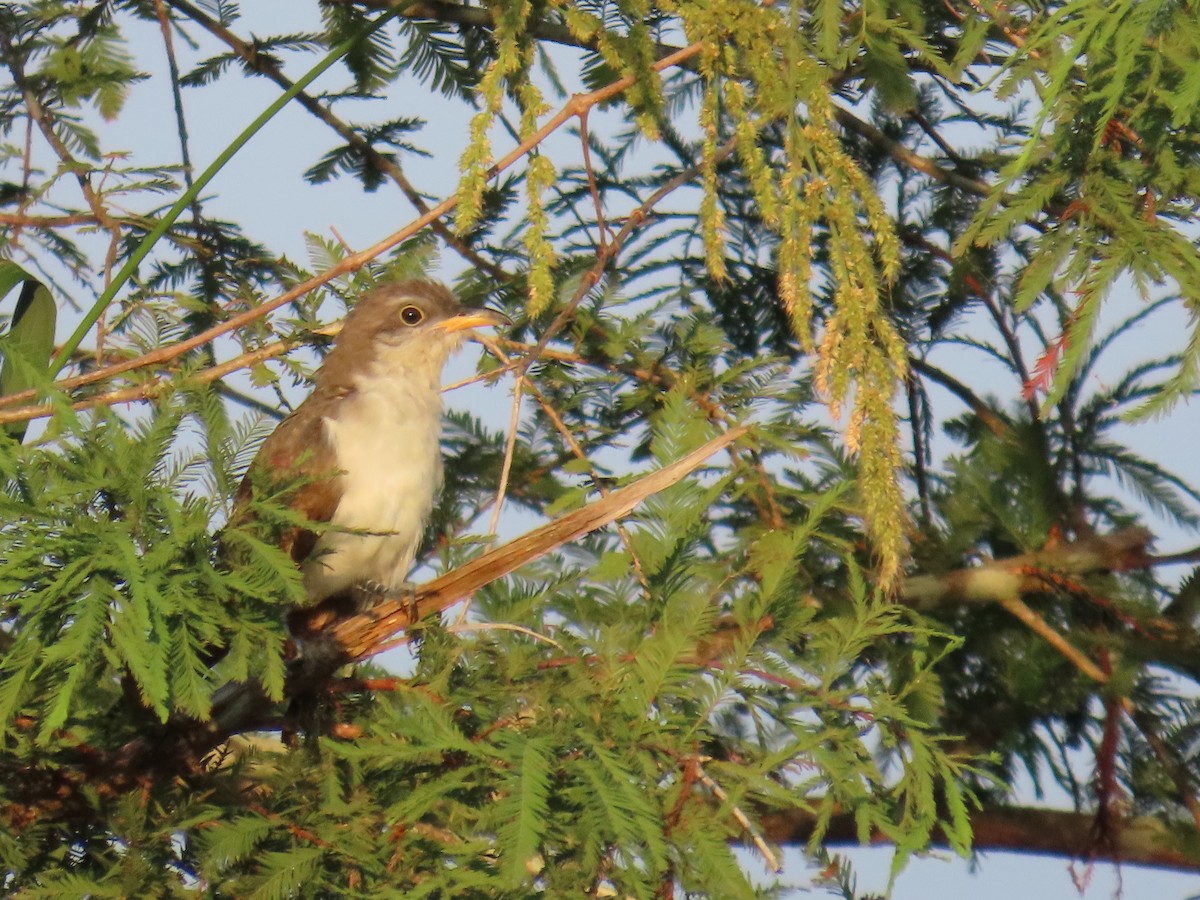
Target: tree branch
[
  {"x": 1145, "y": 840},
  {"x": 64, "y": 791},
  {"x": 571, "y": 109},
  {"x": 266, "y": 66},
  {"x": 474, "y": 17},
  {"x": 992, "y": 420},
  {"x": 1010, "y": 578}
]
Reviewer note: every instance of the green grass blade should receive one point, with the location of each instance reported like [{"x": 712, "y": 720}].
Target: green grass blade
[
  {"x": 29, "y": 340},
  {"x": 202, "y": 180}
]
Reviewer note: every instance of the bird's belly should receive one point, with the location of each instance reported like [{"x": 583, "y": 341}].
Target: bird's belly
[{"x": 391, "y": 466}]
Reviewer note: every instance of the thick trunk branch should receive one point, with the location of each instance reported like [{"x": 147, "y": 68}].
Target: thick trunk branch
[{"x": 1143, "y": 841}]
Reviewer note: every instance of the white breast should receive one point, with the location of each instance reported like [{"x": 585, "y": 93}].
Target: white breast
[{"x": 386, "y": 439}]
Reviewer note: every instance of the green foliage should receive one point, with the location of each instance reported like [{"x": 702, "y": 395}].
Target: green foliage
[
  {"x": 507, "y": 765},
  {"x": 94, "y": 67},
  {"x": 110, "y": 582},
  {"x": 823, "y": 203}
]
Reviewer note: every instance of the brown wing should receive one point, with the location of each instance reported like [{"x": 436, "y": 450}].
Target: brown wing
[{"x": 296, "y": 451}]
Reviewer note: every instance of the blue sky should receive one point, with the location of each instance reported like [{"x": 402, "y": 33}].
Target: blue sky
[{"x": 263, "y": 189}]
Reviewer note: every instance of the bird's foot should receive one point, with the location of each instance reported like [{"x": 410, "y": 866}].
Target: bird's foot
[{"x": 370, "y": 594}]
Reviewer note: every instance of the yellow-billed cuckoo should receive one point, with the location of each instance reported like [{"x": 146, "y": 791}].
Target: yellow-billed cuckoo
[{"x": 365, "y": 444}]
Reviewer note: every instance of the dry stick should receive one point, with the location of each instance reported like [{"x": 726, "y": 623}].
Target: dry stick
[
  {"x": 510, "y": 449},
  {"x": 460, "y": 626},
  {"x": 593, "y": 187},
  {"x": 910, "y": 158},
  {"x": 19, "y": 220},
  {"x": 561, "y": 427},
  {"x": 502, "y": 626},
  {"x": 1013, "y": 343},
  {"x": 1018, "y": 608},
  {"x": 479, "y": 377},
  {"x": 361, "y": 635},
  {"x": 571, "y": 109},
  {"x": 769, "y": 857},
  {"x": 349, "y": 263}
]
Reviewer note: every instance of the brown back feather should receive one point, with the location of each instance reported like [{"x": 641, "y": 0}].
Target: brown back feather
[{"x": 298, "y": 450}]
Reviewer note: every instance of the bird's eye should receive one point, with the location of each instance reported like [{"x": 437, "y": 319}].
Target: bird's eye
[{"x": 411, "y": 315}]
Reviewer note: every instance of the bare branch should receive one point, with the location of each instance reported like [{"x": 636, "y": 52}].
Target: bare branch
[
  {"x": 573, "y": 108},
  {"x": 1017, "y": 575},
  {"x": 1145, "y": 840}
]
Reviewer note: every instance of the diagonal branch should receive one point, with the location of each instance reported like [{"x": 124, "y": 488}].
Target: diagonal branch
[
  {"x": 362, "y": 635},
  {"x": 1144, "y": 840},
  {"x": 180, "y": 748},
  {"x": 988, "y": 416},
  {"x": 155, "y": 388},
  {"x": 570, "y": 110},
  {"x": 264, "y": 65}
]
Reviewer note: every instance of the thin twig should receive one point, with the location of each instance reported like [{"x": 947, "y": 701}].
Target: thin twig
[
  {"x": 501, "y": 626},
  {"x": 479, "y": 377},
  {"x": 1039, "y": 626},
  {"x": 349, "y": 263},
  {"x": 1175, "y": 767},
  {"x": 571, "y": 109},
  {"x": 606, "y": 254},
  {"x": 569, "y": 439},
  {"x": 38, "y": 114},
  {"x": 741, "y": 818},
  {"x": 1019, "y": 608},
  {"x": 20, "y": 220},
  {"x": 593, "y": 187},
  {"x": 510, "y": 446},
  {"x": 265, "y": 65},
  {"x": 1184, "y": 557},
  {"x": 1015, "y": 38},
  {"x": 986, "y": 415},
  {"x": 510, "y": 449},
  {"x": 910, "y": 158},
  {"x": 152, "y": 389},
  {"x": 932, "y": 133}
]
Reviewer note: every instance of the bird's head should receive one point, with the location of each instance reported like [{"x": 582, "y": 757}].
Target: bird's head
[{"x": 407, "y": 325}]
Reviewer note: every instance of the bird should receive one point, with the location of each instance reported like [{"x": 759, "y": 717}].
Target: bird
[{"x": 363, "y": 449}]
